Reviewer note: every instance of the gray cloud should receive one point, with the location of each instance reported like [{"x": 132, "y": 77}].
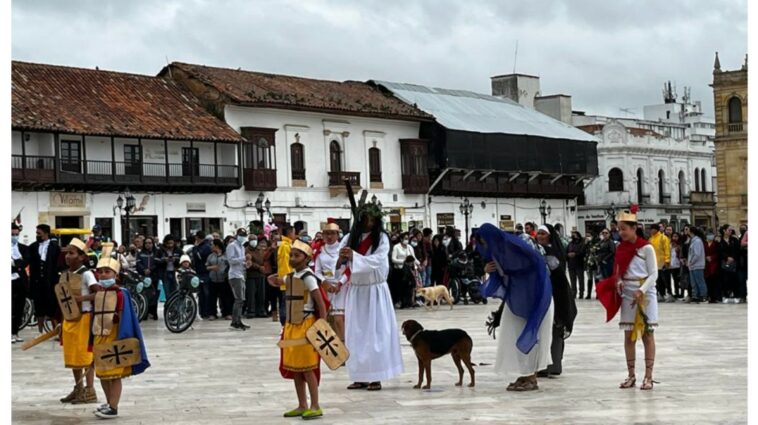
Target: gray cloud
[{"x": 606, "y": 54}]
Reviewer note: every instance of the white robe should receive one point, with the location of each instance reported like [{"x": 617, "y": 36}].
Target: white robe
[
  {"x": 512, "y": 363},
  {"x": 371, "y": 331},
  {"x": 326, "y": 269}
]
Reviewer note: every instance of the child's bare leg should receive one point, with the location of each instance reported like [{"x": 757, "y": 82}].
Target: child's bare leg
[
  {"x": 629, "y": 350},
  {"x": 77, "y": 377},
  {"x": 302, "y": 401},
  {"x": 310, "y": 378},
  {"x": 90, "y": 376},
  {"x": 115, "y": 393},
  {"x": 106, "y": 389}
]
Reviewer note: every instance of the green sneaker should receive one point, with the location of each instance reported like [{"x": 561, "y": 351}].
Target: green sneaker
[
  {"x": 312, "y": 414},
  {"x": 295, "y": 413}
]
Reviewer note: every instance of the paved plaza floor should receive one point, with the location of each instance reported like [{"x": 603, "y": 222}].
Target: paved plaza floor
[{"x": 212, "y": 375}]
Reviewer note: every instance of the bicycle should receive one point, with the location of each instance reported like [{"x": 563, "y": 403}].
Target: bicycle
[
  {"x": 180, "y": 309},
  {"x": 30, "y": 317},
  {"x": 134, "y": 283}
]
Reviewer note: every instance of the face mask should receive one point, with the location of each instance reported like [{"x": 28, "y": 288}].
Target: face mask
[
  {"x": 446, "y": 242},
  {"x": 253, "y": 243},
  {"x": 242, "y": 239},
  {"x": 414, "y": 244},
  {"x": 710, "y": 237},
  {"x": 107, "y": 283},
  {"x": 14, "y": 239},
  {"x": 404, "y": 242}
]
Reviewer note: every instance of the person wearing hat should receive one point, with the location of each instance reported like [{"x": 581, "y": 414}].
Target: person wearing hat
[
  {"x": 235, "y": 257},
  {"x": 43, "y": 268},
  {"x": 301, "y": 362},
  {"x": 125, "y": 325},
  {"x": 75, "y": 333},
  {"x": 332, "y": 275},
  {"x": 632, "y": 289}
]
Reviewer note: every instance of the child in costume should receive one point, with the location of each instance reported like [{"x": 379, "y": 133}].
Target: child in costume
[
  {"x": 125, "y": 325},
  {"x": 75, "y": 333},
  {"x": 301, "y": 362},
  {"x": 632, "y": 289}
]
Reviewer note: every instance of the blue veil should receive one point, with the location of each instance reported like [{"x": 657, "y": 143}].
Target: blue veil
[{"x": 521, "y": 281}]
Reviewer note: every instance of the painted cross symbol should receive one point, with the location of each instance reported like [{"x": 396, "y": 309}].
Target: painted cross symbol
[
  {"x": 327, "y": 342},
  {"x": 66, "y": 300},
  {"x": 116, "y": 354}
]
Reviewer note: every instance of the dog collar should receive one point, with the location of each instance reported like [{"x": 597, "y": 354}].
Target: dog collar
[{"x": 415, "y": 335}]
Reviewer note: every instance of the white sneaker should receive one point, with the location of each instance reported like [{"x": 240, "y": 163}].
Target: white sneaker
[
  {"x": 13, "y": 339},
  {"x": 669, "y": 299},
  {"x": 103, "y": 406}
]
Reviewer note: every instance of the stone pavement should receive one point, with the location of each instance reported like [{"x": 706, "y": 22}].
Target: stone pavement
[{"x": 212, "y": 375}]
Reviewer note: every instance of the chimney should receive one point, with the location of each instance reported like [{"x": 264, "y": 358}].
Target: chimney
[
  {"x": 519, "y": 88},
  {"x": 557, "y": 106}
]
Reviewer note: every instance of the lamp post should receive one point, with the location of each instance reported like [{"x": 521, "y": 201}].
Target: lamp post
[
  {"x": 127, "y": 209},
  {"x": 545, "y": 211},
  {"x": 466, "y": 208},
  {"x": 262, "y": 207}
]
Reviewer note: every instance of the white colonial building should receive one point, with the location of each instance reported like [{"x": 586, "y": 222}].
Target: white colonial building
[
  {"x": 82, "y": 137},
  {"x": 305, "y": 137},
  {"x": 663, "y": 162}
]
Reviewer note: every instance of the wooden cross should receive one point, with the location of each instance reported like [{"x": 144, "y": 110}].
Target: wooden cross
[{"x": 65, "y": 300}]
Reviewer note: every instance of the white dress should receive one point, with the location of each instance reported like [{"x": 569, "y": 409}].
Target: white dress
[
  {"x": 371, "y": 331},
  {"x": 510, "y": 361},
  {"x": 326, "y": 270},
  {"x": 643, "y": 267}
]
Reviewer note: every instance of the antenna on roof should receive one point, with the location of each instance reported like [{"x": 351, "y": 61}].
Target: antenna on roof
[
  {"x": 628, "y": 111},
  {"x": 515, "y": 57},
  {"x": 168, "y": 66}
]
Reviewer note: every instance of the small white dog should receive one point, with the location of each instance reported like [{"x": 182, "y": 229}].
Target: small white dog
[{"x": 433, "y": 295}]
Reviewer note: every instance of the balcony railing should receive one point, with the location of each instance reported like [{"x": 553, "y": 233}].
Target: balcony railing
[
  {"x": 32, "y": 169},
  {"x": 259, "y": 179},
  {"x": 42, "y": 170},
  {"x": 338, "y": 178},
  {"x": 735, "y": 127}
]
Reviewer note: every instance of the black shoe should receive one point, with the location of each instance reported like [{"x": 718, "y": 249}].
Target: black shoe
[
  {"x": 107, "y": 413},
  {"x": 235, "y": 325},
  {"x": 542, "y": 374},
  {"x": 243, "y": 326},
  {"x": 588, "y": 297}
]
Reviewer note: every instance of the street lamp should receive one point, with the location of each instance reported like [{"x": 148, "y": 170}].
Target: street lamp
[
  {"x": 545, "y": 211},
  {"x": 466, "y": 208},
  {"x": 127, "y": 209},
  {"x": 262, "y": 207}
]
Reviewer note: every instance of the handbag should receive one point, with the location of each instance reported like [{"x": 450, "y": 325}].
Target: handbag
[{"x": 729, "y": 267}]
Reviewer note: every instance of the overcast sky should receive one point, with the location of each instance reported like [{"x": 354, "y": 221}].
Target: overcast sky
[{"x": 606, "y": 54}]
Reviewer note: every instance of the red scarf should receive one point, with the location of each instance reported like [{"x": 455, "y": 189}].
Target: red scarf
[
  {"x": 606, "y": 288},
  {"x": 363, "y": 248}
]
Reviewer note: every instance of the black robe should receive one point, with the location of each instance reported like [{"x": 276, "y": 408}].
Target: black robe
[{"x": 43, "y": 278}]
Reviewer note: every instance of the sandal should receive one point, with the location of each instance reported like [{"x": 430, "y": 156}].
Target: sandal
[
  {"x": 518, "y": 381},
  {"x": 630, "y": 382},
  {"x": 357, "y": 386},
  {"x": 647, "y": 383},
  {"x": 374, "y": 386}
]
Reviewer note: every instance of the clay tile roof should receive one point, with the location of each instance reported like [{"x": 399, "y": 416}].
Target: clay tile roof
[
  {"x": 105, "y": 103},
  {"x": 250, "y": 88}
]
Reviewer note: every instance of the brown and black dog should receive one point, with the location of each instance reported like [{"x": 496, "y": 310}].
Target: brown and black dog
[{"x": 430, "y": 345}]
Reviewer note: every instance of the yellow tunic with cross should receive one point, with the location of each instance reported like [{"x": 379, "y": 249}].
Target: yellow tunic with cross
[
  {"x": 299, "y": 358},
  {"x": 75, "y": 333},
  {"x": 105, "y": 331}
]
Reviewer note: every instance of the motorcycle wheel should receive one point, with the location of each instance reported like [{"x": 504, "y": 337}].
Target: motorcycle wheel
[{"x": 180, "y": 312}]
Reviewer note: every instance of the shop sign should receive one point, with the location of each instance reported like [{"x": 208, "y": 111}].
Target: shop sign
[{"x": 68, "y": 200}]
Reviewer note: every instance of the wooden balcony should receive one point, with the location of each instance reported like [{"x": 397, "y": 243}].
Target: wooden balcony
[
  {"x": 502, "y": 186},
  {"x": 105, "y": 175},
  {"x": 32, "y": 171},
  {"x": 415, "y": 184},
  {"x": 260, "y": 179},
  {"x": 337, "y": 181}
]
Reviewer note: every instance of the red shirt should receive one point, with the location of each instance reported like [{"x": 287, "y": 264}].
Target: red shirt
[{"x": 712, "y": 254}]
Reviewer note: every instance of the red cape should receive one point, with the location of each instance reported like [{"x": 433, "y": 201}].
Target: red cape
[{"x": 606, "y": 288}]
